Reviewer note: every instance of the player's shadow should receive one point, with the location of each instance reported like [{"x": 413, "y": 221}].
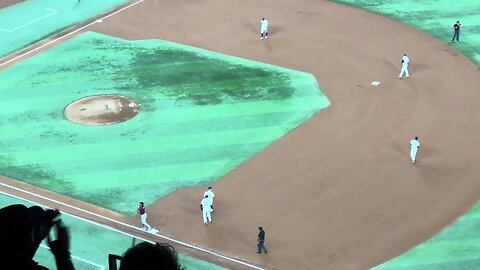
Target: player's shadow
[
  {"x": 426, "y": 151},
  {"x": 275, "y": 29},
  {"x": 272, "y": 30},
  {"x": 433, "y": 175},
  {"x": 252, "y": 28},
  {"x": 391, "y": 66},
  {"x": 420, "y": 67},
  {"x": 267, "y": 44}
]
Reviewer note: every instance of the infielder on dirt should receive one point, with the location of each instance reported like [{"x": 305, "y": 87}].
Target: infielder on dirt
[
  {"x": 211, "y": 196},
  {"x": 143, "y": 217},
  {"x": 405, "y": 61},
  {"x": 206, "y": 208},
  {"x": 414, "y": 146},
  {"x": 263, "y": 28}
]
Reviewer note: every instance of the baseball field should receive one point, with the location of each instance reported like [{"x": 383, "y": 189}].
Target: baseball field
[{"x": 289, "y": 130}]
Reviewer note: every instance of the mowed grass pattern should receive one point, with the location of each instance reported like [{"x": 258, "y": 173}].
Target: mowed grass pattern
[{"x": 202, "y": 115}]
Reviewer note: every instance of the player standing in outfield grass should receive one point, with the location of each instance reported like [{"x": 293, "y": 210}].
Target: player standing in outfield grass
[
  {"x": 143, "y": 217},
  {"x": 456, "y": 31},
  {"x": 263, "y": 28},
  {"x": 405, "y": 61},
  {"x": 414, "y": 146},
  {"x": 211, "y": 196},
  {"x": 206, "y": 209}
]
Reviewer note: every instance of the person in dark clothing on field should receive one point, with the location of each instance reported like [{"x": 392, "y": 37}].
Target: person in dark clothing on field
[
  {"x": 261, "y": 241},
  {"x": 456, "y": 31}
]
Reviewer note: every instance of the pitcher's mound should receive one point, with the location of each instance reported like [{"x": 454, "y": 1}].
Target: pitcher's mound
[{"x": 101, "y": 110}]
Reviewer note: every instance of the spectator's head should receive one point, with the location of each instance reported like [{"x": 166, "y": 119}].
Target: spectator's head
[
  {"x": 147, "y": 256},
  {"x": 42, "y": 221},
  {"x": 16, "y": 234},
  {"x": 22, "y": 230},
  {"x": 416, "y": 138},
  {"x": 209, "y": 188},
  {"x": 260, "y": 228}
]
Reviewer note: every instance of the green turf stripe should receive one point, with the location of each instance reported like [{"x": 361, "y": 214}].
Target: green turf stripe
[
  {"x": 31, "y": 117},
  {"x": 103, "y": 161},
  {"x": 144, "y": 174},
  {"x": 178, "y": 142}
]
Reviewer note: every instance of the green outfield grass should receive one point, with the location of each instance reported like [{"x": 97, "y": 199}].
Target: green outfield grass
[{"x": 30, "y": 21}]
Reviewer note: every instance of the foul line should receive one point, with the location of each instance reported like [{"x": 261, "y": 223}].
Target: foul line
[
  {"x": 124, "y": 224},
  {"x": 52, "y": 12},
  {"x": 101, "y": 267},
  {"x": 69, "y": 34}
]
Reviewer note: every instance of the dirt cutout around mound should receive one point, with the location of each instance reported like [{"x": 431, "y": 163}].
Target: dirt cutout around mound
[
  {"x": 339, "y": 192},
  {"x": 101, "y": 110}
]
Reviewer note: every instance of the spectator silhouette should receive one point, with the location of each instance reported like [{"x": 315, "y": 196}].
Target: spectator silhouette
[
  {"x": 22, "y": 230},
  {"x": 147, "y": 256}
]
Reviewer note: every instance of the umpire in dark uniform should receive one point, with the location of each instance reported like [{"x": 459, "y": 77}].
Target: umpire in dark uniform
[
  {"x": 456, "y": 29},
  {"x": 261, "y": 241}
]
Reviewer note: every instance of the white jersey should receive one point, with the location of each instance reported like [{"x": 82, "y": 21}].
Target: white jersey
[
  {"x": 414, "y": 144},
  {"x": 210, "y": 194},
  {"x": 264, "y": 26},
  {"x": 405, "y": 60},
  {"x": 206, "y": 204}
]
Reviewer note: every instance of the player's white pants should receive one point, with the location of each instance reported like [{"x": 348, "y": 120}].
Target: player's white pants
[
  {"x": 207, "y": 216},
  {"x": 413, "y": 153},
  {"x": 404, "y": 70},
  {"x": 143, "y": 220}
]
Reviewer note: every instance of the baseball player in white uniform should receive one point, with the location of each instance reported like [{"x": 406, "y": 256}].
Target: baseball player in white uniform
[
  {"x": 405, "y": 61},
  {"x": 414, "y": 146},
  {"x": 206, "y": 208},
  {"x": 211, "y": 196},
  {"x": 263, "y": 28}
]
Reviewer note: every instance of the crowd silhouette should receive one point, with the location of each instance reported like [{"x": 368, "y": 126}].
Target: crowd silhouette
[{"x": 22, "y": 229}]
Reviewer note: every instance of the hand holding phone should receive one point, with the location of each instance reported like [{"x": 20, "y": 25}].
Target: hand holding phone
[{"x": 60, "y": 245}]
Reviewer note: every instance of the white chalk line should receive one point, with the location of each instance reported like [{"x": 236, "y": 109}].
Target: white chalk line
[
  {"x": 101, "y": 267},
  {"x": 125, "y": 225},
  {"x": 68, "y": 34},
  {"x": 52, "y": 12}
]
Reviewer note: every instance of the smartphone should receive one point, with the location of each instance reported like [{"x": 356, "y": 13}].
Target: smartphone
[
  {"x": 53, "y": 233},
  {"x": 113, "y": 261}
]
